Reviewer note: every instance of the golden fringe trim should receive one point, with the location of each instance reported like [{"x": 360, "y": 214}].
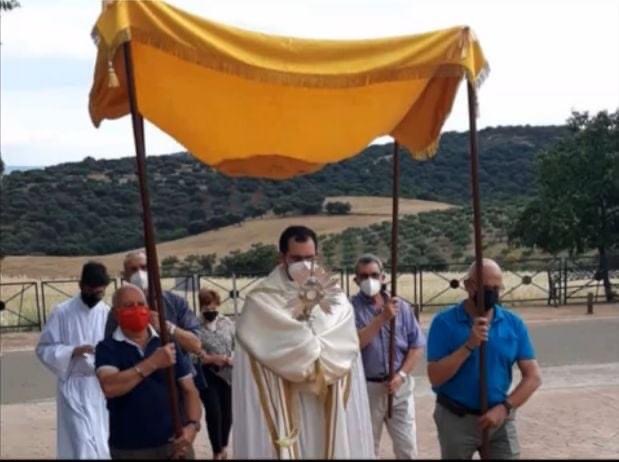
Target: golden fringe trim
[{"x": 425, "y": 71}]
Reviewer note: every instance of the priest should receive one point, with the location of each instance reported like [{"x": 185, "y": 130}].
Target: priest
[
  {"x": 298, "y": 389},
  {"x": 66, "y": 347}
]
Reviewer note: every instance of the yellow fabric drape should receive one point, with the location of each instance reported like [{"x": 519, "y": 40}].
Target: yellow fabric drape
[{"x": 268, "y": 106}]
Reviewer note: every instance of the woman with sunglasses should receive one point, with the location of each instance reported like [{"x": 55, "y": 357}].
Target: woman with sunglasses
[{"x": 216, "y": 357}]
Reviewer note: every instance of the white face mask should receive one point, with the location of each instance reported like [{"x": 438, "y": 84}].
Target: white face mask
[
  {"x": 370, "y": 286},
  {"x": 140, "y": 279},
  {"x": 300, "y": 271}
]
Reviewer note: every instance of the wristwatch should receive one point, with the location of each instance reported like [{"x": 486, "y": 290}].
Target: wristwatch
[
  {"x": 195, "y": 424},
  {"x": 508, "y": 406},
  {"x": 402, "y": 374},
  {"x": 171, "y": 328}
]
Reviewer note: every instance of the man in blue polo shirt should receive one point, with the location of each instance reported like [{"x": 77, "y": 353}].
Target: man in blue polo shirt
[
  {"x": 129, "y": 367},
  {"x": 453, "y": 370}
]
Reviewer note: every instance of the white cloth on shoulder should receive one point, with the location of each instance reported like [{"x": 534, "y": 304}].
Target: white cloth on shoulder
[{"x": 310, "y": 380}]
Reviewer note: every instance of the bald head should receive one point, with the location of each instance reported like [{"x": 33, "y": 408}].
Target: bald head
[
  {"x": 492, "y": 275},
  {"x": 128, "y": 295}
]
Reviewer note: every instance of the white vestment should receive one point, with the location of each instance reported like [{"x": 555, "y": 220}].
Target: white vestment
[
  {"x": 82, "y": 417},
  {"x": 298, "y": 389}
]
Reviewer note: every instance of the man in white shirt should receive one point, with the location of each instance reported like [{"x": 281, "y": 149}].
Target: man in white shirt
[{"x": 66, "y": 347}]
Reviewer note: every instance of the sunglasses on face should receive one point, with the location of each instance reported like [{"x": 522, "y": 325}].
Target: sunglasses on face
[{"x": 364, "y": 276}]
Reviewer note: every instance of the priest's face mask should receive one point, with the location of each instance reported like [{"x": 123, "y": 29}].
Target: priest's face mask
[{"x": 299, "y": 258}]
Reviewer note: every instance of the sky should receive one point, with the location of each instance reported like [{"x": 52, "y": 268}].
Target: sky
[{"x": 547, "y": 58}]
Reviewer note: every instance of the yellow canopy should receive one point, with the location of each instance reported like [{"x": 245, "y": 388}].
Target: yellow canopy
[{"x": 250, "y": 104}]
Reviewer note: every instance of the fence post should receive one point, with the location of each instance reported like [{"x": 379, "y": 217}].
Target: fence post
[
  {"x": 589, "y": 303},
  {"x": 347, "y": 283},
  {"x": 235, "y": 297},
  {"x": 420, "y": 289},
  {"x": 415, "y": 290},
  {"x": 194, "y": 278},
  {"x": 36, "y": 294},
  {"x": 564, "y": 280},
  {"x": 44, "y": 304}
]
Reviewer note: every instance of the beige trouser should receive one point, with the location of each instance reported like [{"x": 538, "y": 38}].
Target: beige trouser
[{"x": 401, "y": 426}]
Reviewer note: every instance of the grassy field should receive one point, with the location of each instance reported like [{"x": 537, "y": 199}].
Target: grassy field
[{"x": 365, "y": 211}]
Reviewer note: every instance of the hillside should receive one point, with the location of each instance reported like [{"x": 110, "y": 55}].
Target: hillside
[
  {"x": 92, "y": 207},
  {"x": 365, "y": 212}
]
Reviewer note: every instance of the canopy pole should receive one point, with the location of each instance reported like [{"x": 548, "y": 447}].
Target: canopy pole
[
  {"x": 394, "y": 266},
  {"x": 154, "y": 281},
  {"x": 474, "y": 163}
]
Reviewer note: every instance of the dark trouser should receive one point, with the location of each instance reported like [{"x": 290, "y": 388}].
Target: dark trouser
[
  {"x": 460, "y": 436},
  {"x": 218, "y": 409},
  {"x": 160, "y": 452}
]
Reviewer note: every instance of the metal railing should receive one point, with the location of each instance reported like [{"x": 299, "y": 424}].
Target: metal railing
[
  {"x": 552, "y": 281},
  {"x": 20, "y": 307}
]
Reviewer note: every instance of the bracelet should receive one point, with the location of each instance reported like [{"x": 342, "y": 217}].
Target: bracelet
[
  {"x": 466, "y": 345},
  {"x": 140, "y": 372},
  {"x": 195, "y": 424}
]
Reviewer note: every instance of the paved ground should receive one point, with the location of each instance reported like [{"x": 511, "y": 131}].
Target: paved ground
[
  {"x": 586, "y": 340},
  {"x": 574, "y": 415}
]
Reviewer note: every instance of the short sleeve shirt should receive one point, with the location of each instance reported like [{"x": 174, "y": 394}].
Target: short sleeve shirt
[
  {"x": 508, "y": 342},
  {"x": 141, "y": 418}
]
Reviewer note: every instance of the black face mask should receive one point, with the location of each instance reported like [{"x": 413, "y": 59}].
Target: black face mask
[
  {"x": 210, "y": 315},
  {"x": 90, "y": 300},
  {"x": 491, "y": 298}
]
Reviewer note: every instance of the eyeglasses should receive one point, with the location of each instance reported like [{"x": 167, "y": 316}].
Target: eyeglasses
[
  {"x": 364, "y": 276},
  {"x": 135, "y": 268}
]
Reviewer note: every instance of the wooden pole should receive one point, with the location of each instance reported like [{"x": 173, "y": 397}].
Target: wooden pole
[
  {"x": 483, "y": 389},
  {"x": 394, "y": 266},
  {"x": 154, "y": 286}
]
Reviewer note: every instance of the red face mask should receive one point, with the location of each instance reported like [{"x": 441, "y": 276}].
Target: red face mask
[{"x": 134, "y": 319}]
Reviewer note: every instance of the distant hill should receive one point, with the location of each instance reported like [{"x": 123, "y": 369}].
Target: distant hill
[
  {"x": 92, "y": 207},
  {"x": 229, "y": 240},
  {"x": 19, "y": 168}
]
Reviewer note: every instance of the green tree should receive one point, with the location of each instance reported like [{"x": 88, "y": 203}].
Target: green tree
[
  {"x": 259, "y": 260},
  {"x": 7, "y": 5},
  {"x": 338, "y": 208},
  {"x": 577, "y": 203}
]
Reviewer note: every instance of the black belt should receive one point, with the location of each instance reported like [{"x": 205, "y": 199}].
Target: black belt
[
  {"x": 455, "y": 408},
  {"x": 384, "y": 378}
]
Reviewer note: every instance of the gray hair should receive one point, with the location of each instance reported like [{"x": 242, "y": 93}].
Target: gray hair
[
  {"x": 368, "y": 258},
  {"x": 133, "y": 254},
  {"x": 121, "y": 290}
]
